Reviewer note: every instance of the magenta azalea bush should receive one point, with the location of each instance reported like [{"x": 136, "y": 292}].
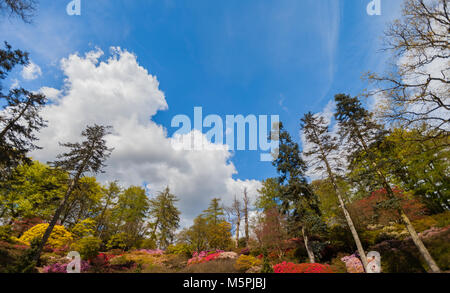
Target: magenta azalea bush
[
  {"x": 204, "y": 256},
  {"x": 353, "y": 264},
  {"x": 59, "y": 268}
]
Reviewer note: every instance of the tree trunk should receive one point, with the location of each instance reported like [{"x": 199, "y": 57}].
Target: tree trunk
[
  {"x": 308, "y": 250},
  {"x": 238, "y": 224},
  {"x": 419, "y": 244},
  {"x": 349, "y": 220},
  {"x": 246, "y": 202}
]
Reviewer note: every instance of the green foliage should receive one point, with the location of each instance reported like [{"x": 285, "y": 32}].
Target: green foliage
[
  {"x": 26, "y": 262},
  {"x": 297, "y": 199},
  {"x": 5, "y": 233},
  {"x": 33, "y": 190},
  {"x": 166, "y": 217},
  {"x": 84, "y": 202},
  {"x": 180, "y": 249},
  {"x": 84, "y": 228},
  {"x": 269, "y": 194},
  {"x": 88, "y": 247},
  {"x": 147, "y": 243},
  {"x": 118, "y": 241},
  {"x": 266, "y": 267},
  {"x": 129, "y": 214}
]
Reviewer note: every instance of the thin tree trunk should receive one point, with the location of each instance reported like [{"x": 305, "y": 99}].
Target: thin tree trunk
[
  {"x": 419, "y": 244},
  {"x": 349, "y": 220},
  {"x": 308, "y": 250},
  {"x": 246, "y": 202},
  {"x": 238, "y": 224}
]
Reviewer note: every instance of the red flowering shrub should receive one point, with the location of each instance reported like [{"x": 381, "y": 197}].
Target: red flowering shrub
[
  {"x": 304, "y": 268},
  {"x": 376, "y": 209}
]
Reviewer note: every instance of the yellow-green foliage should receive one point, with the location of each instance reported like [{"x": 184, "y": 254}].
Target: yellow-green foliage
[
  {"x": 84, "y": 228},
  {"x": 88, "y": 247},
  {"x": 179, "y": 249},
  {"x": 117, "y": 241},
  {"x": 5, "y": 233},
  {"x": 58, "y": 238},
  {"x": 439, "y": 220},
  {"x": 245, "y": 262}
]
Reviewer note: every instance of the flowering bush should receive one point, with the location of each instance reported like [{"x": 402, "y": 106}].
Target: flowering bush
[
  {"x": 228, "y": 255},
  {"x": 61, "y": 268},
  {"x": 204, "y": 256},
  {"x": 58, "y": 238},
  {"x": 353, "y": 264},
  {"x": 304, "y": 268},
  {"x": 245, "y": 262},
  {"x": 245, "y": 251}
]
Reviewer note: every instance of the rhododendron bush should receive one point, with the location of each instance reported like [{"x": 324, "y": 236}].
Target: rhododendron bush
[
  {"x": 304, "y": 268},
  {"x": 59, "y": 268},
  {"x": 205, "y": 256},
  {"x": 353, "y": 264},
  {"x": 376, "y": 208}
]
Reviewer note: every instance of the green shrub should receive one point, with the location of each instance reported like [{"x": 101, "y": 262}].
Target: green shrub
[
  {"x": 179, "y": 249},
  {"x": 266, "y": 267},
  {"x": 118, "y": 241},
  {"x": 443, "y": 219},
  {"x": 88, "y": 247},
  {"x": 147, "y": 243}
]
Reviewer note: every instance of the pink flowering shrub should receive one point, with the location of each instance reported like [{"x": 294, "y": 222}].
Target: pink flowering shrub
[
  {"x": 353, "y": 264},
  {"x": 204, "y": 256},
  {"x": 59, "y": 268}
]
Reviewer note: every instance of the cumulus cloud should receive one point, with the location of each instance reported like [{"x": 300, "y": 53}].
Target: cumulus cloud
[
  {"x": 121, "y": 93},
  {"x": 31, "y": 71}
]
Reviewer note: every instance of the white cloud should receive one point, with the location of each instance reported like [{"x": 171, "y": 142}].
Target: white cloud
[
  {"x": 121, "y": 93},
  {"x": 31, "y": 71},
  {"x": 50, "y": 93}
]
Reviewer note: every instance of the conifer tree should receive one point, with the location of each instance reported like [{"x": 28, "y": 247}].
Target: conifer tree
[
  {"x": 299, "y": 203},
  {"x": 323, "y": 148},
  {"x": 166, "y": 217},
  {"x": 84, "y": 157}
]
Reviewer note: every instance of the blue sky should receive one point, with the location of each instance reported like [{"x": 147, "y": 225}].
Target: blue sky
[{"x": 284, "y": 57}]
